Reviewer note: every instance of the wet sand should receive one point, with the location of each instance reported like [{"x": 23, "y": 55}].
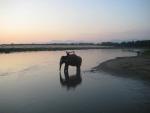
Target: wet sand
[{"x": 137, "y": 66}]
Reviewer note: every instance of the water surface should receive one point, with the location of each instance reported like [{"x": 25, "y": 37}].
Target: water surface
[{"x": 30, "y": 83}]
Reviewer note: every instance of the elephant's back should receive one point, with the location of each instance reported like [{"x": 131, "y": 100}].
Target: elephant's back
[{"x": 75, "y": 59}]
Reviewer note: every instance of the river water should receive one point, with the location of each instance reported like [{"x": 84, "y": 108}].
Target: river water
[{"x": 30, "y": 82}]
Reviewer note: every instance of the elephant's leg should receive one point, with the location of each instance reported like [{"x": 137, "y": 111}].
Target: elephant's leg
[
  {"x": 66, "y": 75},
  {"x": 78, "y": 70},
  {"x": 66, "y": 68}
]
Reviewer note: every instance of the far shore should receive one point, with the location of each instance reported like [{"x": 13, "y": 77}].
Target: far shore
[
  {"x": 134, "y": 67},
  {"x": 47, "y": 47},
  {"x": 132, "y": 46}
]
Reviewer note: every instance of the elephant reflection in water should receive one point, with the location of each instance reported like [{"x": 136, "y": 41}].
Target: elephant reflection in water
[
  {"x": 70, "y": 60},
  {"x": 70, "y": 81}
]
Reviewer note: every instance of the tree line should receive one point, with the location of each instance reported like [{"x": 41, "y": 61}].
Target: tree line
[{"x": 143, "y": 43}]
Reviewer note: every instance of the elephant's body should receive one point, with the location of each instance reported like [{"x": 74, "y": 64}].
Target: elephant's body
[{"x": 71, "y": 60}]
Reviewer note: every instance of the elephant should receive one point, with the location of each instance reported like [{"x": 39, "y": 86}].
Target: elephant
[
  {"x": 70, "y": 60},
  {"x": 70, "y": 81}
]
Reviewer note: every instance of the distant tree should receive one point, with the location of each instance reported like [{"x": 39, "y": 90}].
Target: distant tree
[{"x": 142, "y": 43}]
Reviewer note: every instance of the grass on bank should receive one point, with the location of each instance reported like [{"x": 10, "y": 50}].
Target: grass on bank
[{"x": 146, "y": 52}]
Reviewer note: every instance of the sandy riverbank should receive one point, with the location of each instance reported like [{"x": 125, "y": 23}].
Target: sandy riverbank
[{"x": 137, "y": 66}]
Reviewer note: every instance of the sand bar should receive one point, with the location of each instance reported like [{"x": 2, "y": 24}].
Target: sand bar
[{"x": 137, "y": 66}]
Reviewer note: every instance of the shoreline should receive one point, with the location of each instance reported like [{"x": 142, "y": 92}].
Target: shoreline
[
  {"x": 10, "y": 48},
  {"x": 47, "y": 47},
  {"x": 134, "y": 67}
]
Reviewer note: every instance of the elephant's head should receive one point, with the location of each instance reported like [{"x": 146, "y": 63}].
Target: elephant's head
[{"x": 62, "y": 60}]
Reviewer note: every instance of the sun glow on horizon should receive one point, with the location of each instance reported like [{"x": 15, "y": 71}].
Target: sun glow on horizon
[{"x": 27, "y": 21}]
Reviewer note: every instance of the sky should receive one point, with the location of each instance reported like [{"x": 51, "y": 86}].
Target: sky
[{"x": 44, "y": 21}]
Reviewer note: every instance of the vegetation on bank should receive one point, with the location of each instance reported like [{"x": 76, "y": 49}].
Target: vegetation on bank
[
  {"x": 46, "y": 48},
  {"x": 146, "y": 52},
  {"x": 7, "y": 48},
  {"x": 129, "y": 44}
]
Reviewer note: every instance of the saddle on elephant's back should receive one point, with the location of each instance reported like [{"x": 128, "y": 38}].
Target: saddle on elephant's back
[{"x": 72, "y": 56}]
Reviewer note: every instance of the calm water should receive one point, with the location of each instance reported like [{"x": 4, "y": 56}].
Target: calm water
[{"x": 30, "y": 83}]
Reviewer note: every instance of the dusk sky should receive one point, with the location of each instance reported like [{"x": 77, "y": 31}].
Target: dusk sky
[{"x": 42, "y": 21}]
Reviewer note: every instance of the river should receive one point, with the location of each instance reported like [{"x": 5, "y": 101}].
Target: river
[{"x": 30, "y": 82}]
